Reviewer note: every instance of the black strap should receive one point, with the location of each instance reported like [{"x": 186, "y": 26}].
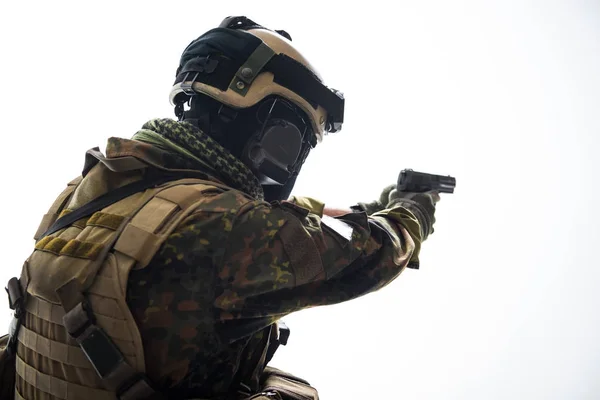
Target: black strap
[
  {"x": 108, "y": 361},
  {"x": 107, "y": 199}
]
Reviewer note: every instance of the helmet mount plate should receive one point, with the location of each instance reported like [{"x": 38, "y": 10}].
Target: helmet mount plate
[{"x": 250, "y": 69}]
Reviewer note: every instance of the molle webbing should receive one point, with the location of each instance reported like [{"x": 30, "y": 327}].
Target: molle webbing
[
  {"x": 56, "y": 387},
  {"x": 57, "y": 351},
  {"x": 128, "y": 233}
]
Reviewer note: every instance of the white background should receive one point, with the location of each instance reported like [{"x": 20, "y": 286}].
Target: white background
[{"x": 503, "y": 95}]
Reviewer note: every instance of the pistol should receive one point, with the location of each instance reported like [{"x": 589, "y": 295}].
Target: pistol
[{"x": 420, "y": 182}]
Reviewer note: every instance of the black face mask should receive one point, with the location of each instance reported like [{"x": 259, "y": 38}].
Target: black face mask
[
  {"x": 275, "y": 128},
  {"x": 279, "y": 192}
]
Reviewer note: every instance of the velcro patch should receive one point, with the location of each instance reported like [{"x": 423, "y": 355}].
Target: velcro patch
[
  {"x": 105, "y": 220},
  {"x": 72, "y": 248},
  {"x": 51, "y": 244},
  {"x": 79, "y": 249}
]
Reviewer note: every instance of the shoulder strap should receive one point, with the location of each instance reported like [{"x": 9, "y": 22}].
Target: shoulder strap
[
  {"x": 105, "y": 200},
  {"x": 52, "y": 214}
]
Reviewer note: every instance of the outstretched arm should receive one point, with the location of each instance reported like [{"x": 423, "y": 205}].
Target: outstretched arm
[{"x": 282, "y": 258}]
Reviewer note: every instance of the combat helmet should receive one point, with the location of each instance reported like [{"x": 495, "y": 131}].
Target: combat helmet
[
  {"x": 251, "y": 63},
  {"x": 245, "y": 66}
]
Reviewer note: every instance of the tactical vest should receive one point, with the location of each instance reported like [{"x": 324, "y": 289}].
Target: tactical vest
[{"x": 75, "y": 335}]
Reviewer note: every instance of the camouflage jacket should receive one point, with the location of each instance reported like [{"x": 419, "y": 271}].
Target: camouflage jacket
[{"x": 237, "y": 265}]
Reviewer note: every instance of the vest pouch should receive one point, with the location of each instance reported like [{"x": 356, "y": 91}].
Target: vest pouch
[
  {"x": 7, "y": 371},
  {"x": 287, "y": 386}
]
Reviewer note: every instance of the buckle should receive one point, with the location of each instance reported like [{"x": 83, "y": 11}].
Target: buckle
[
  {"x": 206, "y": 66},
  {"x": 97, "y": 346},
  {"x": 15, "y": 295},
  {"x": 284, "y": 333},
  {"x": 104, "y": 356},
  {"x": 15, "y": 302},
  {"x": 187, "y": 87}
]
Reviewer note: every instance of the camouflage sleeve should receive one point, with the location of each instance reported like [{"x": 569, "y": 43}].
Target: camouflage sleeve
[
  {"x": 313, "y": 205},
  {"x": 281, "y": 258}
]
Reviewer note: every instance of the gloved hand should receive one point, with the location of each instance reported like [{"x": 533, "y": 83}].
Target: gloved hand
[
  {"x": 379, "y": 204},
  {"x": 422, "y": 205}
]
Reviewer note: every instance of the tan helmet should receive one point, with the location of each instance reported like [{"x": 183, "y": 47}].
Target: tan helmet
[{"x": 246, "y": 70}]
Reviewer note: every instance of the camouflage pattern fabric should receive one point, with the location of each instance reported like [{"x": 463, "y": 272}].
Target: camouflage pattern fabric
[{"x": 205, "y": 303}]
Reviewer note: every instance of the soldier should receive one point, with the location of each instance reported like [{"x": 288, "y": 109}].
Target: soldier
[{"x": 163, "y": 270}]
